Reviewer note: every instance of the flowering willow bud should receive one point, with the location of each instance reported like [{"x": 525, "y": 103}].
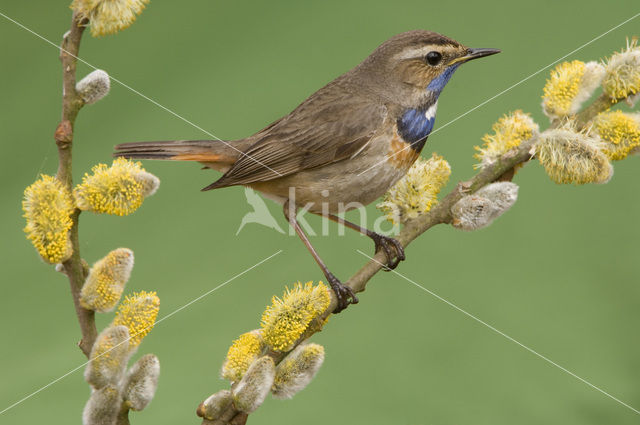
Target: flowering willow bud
[
  {"x": 620, "y": 133},
  {"x": 483, "y": 207},
  {"x": 254, "y": 386},
  {"x": 109, "y": 356},
  {"x": 213, "y": 407},
  {"x": 417, "y": 191},
  {"x": 142, "y": 382},
  {"x": 138, "y": 313},
  {"x": 299, "y": 368},
  {"x": 104, "y": 285},
  {"x": 47, "y": 206},
  {"x": 284, "y": 321},
  {"x": 241, "y": 354},
  {"x": 503, "y": 194},
  {"x": 571, "y": 157},
  {"x": 94, "y": 86},
  {"x": 109, "y": 16},
  {"x": 103, "y": 407},
  {"x": 622, "y": 76},
  {"x": 119, "y": 189},
  {"x": 508, "y": 133},
  {"x": 570, "y": 84},
  {"x": 472, "y": 212}
]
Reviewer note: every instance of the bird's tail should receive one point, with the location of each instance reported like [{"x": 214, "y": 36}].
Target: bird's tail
[{"x": 213, "y": 153}]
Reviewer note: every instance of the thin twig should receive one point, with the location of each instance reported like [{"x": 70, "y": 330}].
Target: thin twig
[
  {"x": 71, "y": 105},
  {"x": 602, "y": 103}
]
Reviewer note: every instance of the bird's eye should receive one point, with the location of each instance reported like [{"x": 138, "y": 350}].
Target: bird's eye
[{"x": 433, "y": 58}]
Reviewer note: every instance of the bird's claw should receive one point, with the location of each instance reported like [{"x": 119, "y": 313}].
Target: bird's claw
[
  {"x": 344, "y": 294},
  {"x": 387, "y": 244}
]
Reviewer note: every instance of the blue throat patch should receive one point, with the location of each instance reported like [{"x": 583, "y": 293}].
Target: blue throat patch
[
  {"x": 437, "y": 84},
  {"x": 414, "y": 126}
]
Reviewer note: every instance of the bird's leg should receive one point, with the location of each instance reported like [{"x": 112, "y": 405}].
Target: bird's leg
[
  {"x": 344, "y": 294},
  {"x": 382, "y": 242}
]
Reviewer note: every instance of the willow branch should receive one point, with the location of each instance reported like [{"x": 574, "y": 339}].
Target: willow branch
[
  {"x": 502, "y": 169},
  {"x": 74, "y": 268},
  {"x": 441, "y": 213},
  {"x": 602, "y": 103}
]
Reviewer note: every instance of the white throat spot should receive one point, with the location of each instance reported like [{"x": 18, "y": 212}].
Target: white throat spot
[{"x": 430, "y": 113}]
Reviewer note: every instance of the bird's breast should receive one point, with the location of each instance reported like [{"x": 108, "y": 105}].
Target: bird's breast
[
  {"x": 410, "y": 134},
  {"x": 415, "y": 125},
  {"x": 401, "y": 155}
]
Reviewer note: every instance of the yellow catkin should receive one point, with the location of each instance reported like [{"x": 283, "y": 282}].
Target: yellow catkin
[
  {"x": 138, "y": 313},
  {"x": 622, "y": 76},
  {"x": 47, "y": 206},
  {"x": 571, "y": 157},
  {"x": 416, "y": 192},
  {"x": 508, "y": 132},
  {"x": 104, "y": 285},
  {"x": 284, "y": 321},
  {"x": 562, "y": 88},
  {"x": 109, "y": 16},
  {"x": 118, "y": 190},
  {"x": 569, "y": 86},
  {"x": 241, "y": 354},
  {"x": 620, "y": 133}
]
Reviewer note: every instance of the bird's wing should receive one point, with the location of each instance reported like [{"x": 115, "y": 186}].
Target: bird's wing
[{"x": 331, "y": 125}]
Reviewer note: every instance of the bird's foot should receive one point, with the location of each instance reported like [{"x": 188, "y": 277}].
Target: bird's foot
[
  {"x": 344, "y": 294},
  {"x": 388, "y": 245}
]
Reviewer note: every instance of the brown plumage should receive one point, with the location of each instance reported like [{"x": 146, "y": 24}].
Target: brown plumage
[{"x": 347, "y": 143}]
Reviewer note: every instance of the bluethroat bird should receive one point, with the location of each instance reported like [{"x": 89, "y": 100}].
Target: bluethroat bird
[{"x": 346, "y": 144}]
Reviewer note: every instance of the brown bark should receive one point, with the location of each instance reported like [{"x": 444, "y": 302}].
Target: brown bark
[{"x": 71, "y": 105}]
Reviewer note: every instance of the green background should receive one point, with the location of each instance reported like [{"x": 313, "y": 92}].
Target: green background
[{"x": 559, "y": 272}]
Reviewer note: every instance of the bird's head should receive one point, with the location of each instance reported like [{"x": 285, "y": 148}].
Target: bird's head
[{"x": 412, "y": 68}]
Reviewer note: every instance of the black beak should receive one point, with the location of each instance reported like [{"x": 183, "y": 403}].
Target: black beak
[{"x": 479, "y": 53}]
